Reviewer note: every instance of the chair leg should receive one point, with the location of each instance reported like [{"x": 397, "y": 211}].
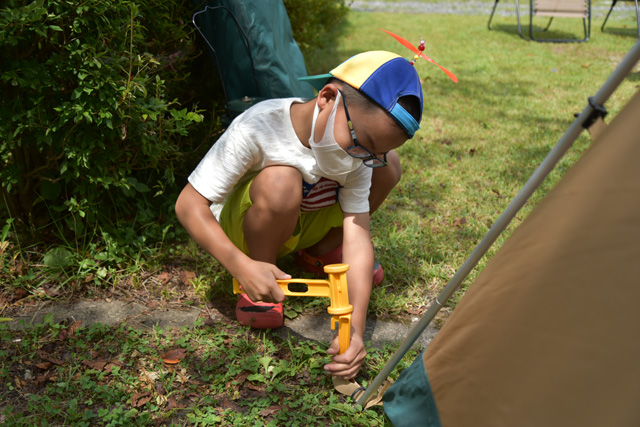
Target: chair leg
[
  {"x": 638, "y": 18},
  {"x": 518, "y": 18},
  {"x": 492, "y": 12},
  {"x": 587, "y": 28},
  {"x": 549, "y": 24},
  {"x": 609, "y": 13}
]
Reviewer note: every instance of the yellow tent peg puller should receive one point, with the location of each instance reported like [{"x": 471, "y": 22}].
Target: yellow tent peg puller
[{"x": 335, "y": 288}]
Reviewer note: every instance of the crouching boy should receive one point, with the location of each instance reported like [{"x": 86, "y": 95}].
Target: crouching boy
[{"x": 303, "y": 177}]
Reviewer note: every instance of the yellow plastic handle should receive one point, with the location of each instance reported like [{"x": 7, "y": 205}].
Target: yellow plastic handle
[{"x": 335, "y": 288}]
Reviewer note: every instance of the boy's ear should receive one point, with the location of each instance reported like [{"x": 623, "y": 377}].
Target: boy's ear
[{"x": 327, "y": 94}]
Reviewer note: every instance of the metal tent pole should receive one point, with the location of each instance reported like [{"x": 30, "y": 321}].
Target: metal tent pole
[{"x": 593, "y": 108}]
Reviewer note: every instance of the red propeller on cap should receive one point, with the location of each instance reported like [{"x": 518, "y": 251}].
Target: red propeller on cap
[{"x": 419, "y": 53}]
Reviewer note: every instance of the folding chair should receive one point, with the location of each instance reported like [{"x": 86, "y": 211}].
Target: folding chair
[
  {"x": 553, "y": 8},
  {"x": 637, "y": 15}
]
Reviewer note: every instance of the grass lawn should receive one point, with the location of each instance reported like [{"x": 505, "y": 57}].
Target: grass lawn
[{"x": 480, "y": 141}]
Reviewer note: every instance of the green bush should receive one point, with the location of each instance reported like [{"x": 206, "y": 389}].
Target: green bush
[
  {"x": 102, "y": 113},
  {"x": 313, "y": 22},
  {"x": 90, "y": 133}
]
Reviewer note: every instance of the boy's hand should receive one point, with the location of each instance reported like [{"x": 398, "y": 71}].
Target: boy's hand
[
  {"x": 258, "y": 281},
  {"x": 347, "y": 364}
]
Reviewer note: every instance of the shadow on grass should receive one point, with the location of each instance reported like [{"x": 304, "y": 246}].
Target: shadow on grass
[
  {"x": 634, "y": 77},
  {"x": 625, "y": 32}
]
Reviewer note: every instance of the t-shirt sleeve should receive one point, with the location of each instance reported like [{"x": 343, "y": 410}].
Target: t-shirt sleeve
[
  {"x": 226, "y": 162},
  {"x": 354, "y": 195}
]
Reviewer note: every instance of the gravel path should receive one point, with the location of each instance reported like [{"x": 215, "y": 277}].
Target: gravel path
[{"x": 505, "y": 8}]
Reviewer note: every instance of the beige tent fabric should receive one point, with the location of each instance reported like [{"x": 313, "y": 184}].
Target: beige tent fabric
[{"x": 549, "y": 334}]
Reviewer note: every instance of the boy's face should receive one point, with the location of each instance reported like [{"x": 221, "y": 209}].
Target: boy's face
[{"x": 375, "y": 130}]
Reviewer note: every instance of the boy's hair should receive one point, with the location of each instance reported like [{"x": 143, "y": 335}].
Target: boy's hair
[
  {"x": 387, "y": 79},
  {"x": 366, "y": 104}
]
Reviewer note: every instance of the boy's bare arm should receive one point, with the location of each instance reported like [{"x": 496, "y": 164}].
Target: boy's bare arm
[
  {"x": 258, "y": 279},
  {"x": 357, "y": 251}
]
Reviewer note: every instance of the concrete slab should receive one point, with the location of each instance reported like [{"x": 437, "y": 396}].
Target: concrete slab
[
  {"x": 378, "y": 332},
  {"x": 109, "y": 313},
  {"x": 307, "y": 327}
]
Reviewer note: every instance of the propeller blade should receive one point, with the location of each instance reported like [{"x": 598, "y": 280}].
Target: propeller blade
[
  {"x": 404, "y": 42},
  {"x": 447, "y": 72}
]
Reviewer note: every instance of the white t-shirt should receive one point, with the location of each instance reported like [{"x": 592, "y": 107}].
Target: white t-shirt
[{"x": 264, "y": 136}]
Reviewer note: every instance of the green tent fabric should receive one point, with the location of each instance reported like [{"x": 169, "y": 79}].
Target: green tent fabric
[
  {"x": 274, "y": 54},
  {"x": 409, "y": 401}
]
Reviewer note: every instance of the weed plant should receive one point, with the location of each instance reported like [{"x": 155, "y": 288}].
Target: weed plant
[{"x": 216, "y": 374}]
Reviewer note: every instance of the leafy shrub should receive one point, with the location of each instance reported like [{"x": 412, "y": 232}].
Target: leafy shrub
[
  {"x": 89, "y": 133},
  {"x": 99, "y": 114},
  {"x": 313, "y": 22}
]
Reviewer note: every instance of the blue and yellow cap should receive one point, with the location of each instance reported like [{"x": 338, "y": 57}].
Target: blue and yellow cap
[{"x": 384, "y": 77}]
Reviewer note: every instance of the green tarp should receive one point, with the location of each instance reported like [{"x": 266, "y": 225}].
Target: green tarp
[{"x": 274, "y": 63}]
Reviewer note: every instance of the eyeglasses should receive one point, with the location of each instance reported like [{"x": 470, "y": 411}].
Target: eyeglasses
[{"x": 357, "y": 150}]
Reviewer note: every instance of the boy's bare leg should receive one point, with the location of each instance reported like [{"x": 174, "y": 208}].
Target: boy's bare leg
[
  {"x": 383, "y": 181},
  {"x": 276, "y": 194}
]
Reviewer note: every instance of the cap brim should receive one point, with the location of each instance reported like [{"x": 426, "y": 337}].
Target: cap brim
[{"x": 318, "y": 82}]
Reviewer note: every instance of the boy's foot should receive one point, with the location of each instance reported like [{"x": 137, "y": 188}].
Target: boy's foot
[
  {"x": 315, "y": 264},
  {"x": 259, "y": 315}
]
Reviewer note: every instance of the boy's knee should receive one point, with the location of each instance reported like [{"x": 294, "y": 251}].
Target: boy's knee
[
  {"x": 278, "y": 189},
  {"x": 395, "y": 167},
  {"x": 384, "y": 179}
]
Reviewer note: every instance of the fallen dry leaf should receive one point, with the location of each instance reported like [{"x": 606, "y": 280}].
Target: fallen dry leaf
[
  {"x": 52, "y": 291},
  {"x": 174, "y": 356},
  {"x": 253, "y": 387},
  {"x": 161, "y": 400},
  {"x": 270, "y": 410},
  {"x": 160, "y": 388},
  {"x": 415, "y": 311},
  {"x": 19, "y": 294},
  {"x": 46, "y": 356},
  {"x": 112, "y": 365},
  {"x": 172, "y": 403},
  {"x": 187, "y": 276},
  {"x": 140, "y": 399},
  {"x": 45, "y": 377},
  {"x": 98, "y": 365},
  {"x": 75, "y": 326},
  {"x": 227, "y": 403},
  {"x": 183, "y": 376},
  {"x": 164, "y": 277},
  {"x": 500, "y": 196},
  {"x": 459, "y": 222},
  {"x": 241, "y": 377}
]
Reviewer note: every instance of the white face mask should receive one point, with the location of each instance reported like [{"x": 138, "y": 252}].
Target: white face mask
[{"x": 332, "y": 160}]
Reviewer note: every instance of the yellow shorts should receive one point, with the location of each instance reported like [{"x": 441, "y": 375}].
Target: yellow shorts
[{"x": 311, "y": 228}]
